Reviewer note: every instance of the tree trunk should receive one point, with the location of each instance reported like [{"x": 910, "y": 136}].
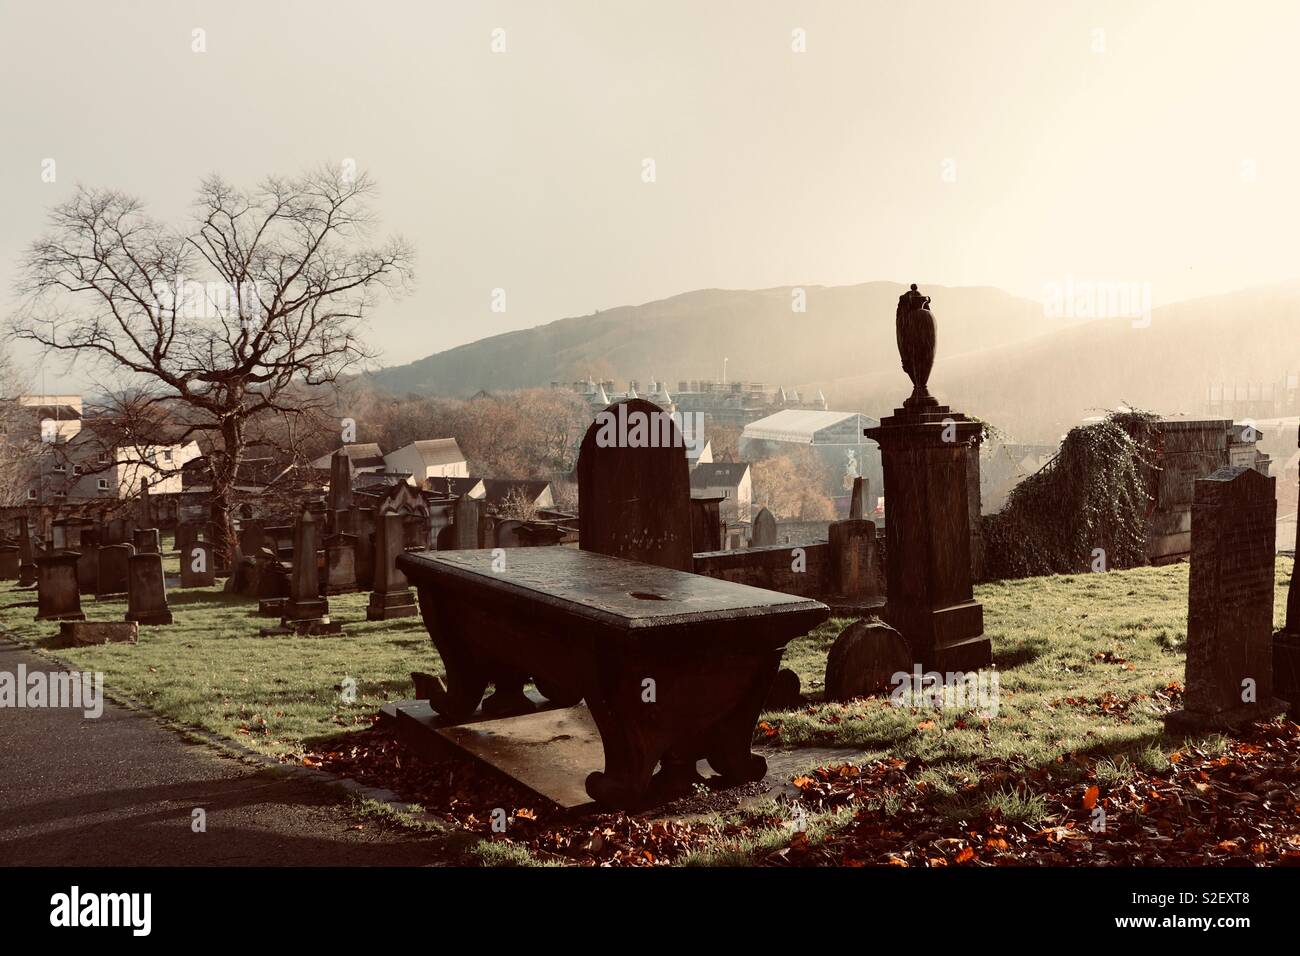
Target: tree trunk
[{"x": 225, "y": 470}]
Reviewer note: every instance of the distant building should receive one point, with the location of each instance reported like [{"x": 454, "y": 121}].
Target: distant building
[
  {"x": 733, "y": 403},
  {"x": 729, "y": 480},
  {"x": 429, "y": 458},
  {"x": 835, "y": 436},
  {"x": 363, "y": 456},
  {"x": 496, "y": 492}
]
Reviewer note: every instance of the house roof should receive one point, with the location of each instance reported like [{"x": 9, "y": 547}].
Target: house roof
[
  {"x": 796, "y": 424},
  {"x": 361, "y": 454},
  {"x": 719, "y": 474},
  {"x": 435, "y": 451},
  {"x": 497, "y": 489}
]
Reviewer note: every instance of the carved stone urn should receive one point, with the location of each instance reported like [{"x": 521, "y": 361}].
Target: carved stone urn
[{"x": 917, "y": 338}]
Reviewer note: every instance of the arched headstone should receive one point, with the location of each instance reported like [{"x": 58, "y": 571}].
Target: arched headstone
[{"x": 634, "y": 486}]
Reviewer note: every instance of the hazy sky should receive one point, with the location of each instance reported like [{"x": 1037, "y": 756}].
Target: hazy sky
[{"x": 1128, "y": 141}]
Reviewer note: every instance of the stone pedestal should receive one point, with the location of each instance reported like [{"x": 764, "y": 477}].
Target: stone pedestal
[
  {"x": 57, "y": 598},
  {"x": 146, "y": 592},
  {"x": 391, "y": 597},
  {"x": 925, "y": 451}
]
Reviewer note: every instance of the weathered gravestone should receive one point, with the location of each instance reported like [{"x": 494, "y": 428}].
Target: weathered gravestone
[
  {"x": 363, "y": 526},
  {"x": 146, "y": 541},
  {"x": 146, "y": 601},
  {"x": 864, "y": 659},
  {"x": 340, "y": 497},
  {"x": 507, "y": 533},
  {"x": 858, "y": 503},
  {"x": 88, "y": 563},
  {"x": 113, "y": 562},
  {"x": 8, "y": 562},
  {"x": 186, "y": 534},
  {"x": 272, "y": 584},
  {"x": 463, "y": 531},
  {"x": 634, "y": 486},
  {"x": 391, "y": 598},
  {"x": 706, "y": 524},
  {"x": 198, "y": 569},
  {"x": 305, "y": 611},
  {"x": 341, "y": 563},
  {"x": 1229, "y": 676},
  {"x": 858, "y": 573},
  {"x": 928, "y": 450},
  {"x": 57, "y": 598},
  {"x": 764, "y": 529},
  {"x": 26, "y": 555},
  {"x": 1286, "y": 644}
]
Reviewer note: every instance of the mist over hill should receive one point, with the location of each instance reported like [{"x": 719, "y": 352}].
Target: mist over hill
[
  {"x": 845, "y": 331},
  {"x": 1037, "y": 389}
]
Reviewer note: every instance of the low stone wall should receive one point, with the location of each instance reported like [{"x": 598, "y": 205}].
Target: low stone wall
[{"x": 773, "y": 567}]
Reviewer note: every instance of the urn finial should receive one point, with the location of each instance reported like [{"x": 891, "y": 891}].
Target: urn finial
[{"x": 917, "y": 338}]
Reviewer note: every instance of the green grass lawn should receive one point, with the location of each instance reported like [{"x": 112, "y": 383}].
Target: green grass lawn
[{"x": 1081, "y": 660}]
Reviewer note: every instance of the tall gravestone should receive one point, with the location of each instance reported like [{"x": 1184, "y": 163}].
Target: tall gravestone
[
  {"x": 1286, "y": 644},
  {"x": 858, "y": 502},
  {"x": 363, "y": 526},
  {"x": 146, "y": 597},
  {"x": 925, "y": 448},
  {"x": 1229, "y": 677},
  {"x": 706, "y": 524},
  {"x": 340, "y": 498},
  {"x": 305, "y": 610},
  {"x": 57, "y": 597},
  {"x": 198, "y": 569},
  {"x": 764, "y": 529},
  {"x": 634, "y": 486},
  {"x": 391, "y": 597},
  {"x": 464, "y": 524},
  {"x": 112, "y": 578},
  {"x": 26, "y": 555},
  {"x": 88, "y": 563}
]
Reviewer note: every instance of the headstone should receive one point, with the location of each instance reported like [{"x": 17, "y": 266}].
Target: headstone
[
  {"x": 57, "y": 597},
  {"x": 146, "y": 592},
  {"x": 305, "y": 611},
  {"x": 8, "y": 562},
  {"x": 146, "y": 541},
  {"x": 507, "y": 533},
  {"x": 252, "y": 537},
  {"x": 88, "y": 566},
  {"x": 634, "y": 486},
  {"x": 198, "y": 568},
  {"x": 925, "y": 448},
  {"x": 340, "y": 498},
  {"x": 26, "y": 555},
  {"x": 864, "y": 659},
  {"x": 114, "y": 560},
  {"x": 391, "y": 597},
  {"x": 341, "y": 563},
  {"x": 784, "y": 693},
  {"x": 487, "y": 534},
  {"x": 858, "y": 503},
  {"x": 1286, "y": 643},
  {"x": 464, "y": 523},
  {"x": 764, "y": 529},
  {"x": 1229, "y": 676},
  {"x": 186, "y": 534},
  {"x": 706, "y": 524},
  {"x": 363, "y": 526},
  {"x": 855, "y": 560},
  {"x": 272, "y": 585}
]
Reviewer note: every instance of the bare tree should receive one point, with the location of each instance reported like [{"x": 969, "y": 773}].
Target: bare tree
[
  {"x": 19, "y": 438},
  {"x": 245, "y": 313}
]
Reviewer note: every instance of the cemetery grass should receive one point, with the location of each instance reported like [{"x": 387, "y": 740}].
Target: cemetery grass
[{"x": 1088, "y": 666}]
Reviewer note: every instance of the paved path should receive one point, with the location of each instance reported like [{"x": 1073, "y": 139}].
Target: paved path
[{"x": 120, "y": 790}]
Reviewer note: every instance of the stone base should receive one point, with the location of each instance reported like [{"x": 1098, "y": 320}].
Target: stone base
[
  {"x": 84, "y": 633},
  {"x": 1286, "y": 668},
  {"x": 271, "y": 607},
  {"x": 972, "y": 654},
  {"x": 150, "y": 617},
  {"x": 1191, "y": 721},
  {"x": 66, "y": 616},
  {"x": 312, "y": 627},
  {"x": 391, "y": 605}
]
